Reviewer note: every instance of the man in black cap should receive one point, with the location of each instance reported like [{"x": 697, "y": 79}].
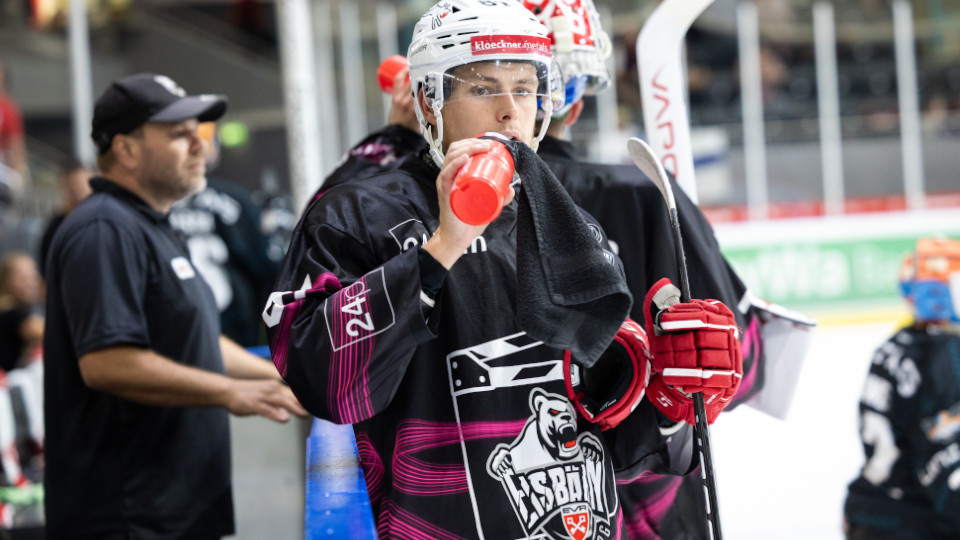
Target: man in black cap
[{"x": 139, "y": 381}]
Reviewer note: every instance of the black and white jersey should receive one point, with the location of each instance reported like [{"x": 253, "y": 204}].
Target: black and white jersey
[
  {"x": 221, "y": 226},
  {"x": 462, "y": 421},
  {"x": 909, "y": 486}
]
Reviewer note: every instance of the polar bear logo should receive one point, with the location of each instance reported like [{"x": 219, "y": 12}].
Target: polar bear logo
[{"x": 548, "y": 437}]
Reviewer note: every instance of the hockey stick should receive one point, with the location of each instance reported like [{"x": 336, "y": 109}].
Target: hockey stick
[
  {"x": 648, "y": 163},
  {"x": 662, "y": 88}
]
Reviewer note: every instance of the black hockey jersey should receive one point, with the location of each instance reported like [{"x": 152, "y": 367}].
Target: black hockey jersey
[
  {"x": 909, "y": 486},
  {"x": 462, "y": 422},
  {"x": 657, "y": 502},
  {"x": 633, "y": 213},
  {"x": 379, "y": 151}
]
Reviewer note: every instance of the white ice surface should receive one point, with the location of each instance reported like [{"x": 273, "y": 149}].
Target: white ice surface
[{"x": 787, "y": 479}]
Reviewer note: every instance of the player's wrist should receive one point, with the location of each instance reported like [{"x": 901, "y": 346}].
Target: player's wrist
[
  {"x": 670, "y": 402},
  {"x": 445, "y": 249}
]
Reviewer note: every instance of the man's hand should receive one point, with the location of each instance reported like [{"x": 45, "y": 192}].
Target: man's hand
[
  {"x": 453, "y": 236},
  {"x": 695, "y": 348},
  {"x": 144, "y": 376},
  {"x": 268, "y": 398},
  {"x": 402, "y": 112}
]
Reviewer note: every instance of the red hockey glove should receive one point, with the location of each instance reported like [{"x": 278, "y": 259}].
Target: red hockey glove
[
  {"x": 608, "y": 391},
  {"x": 695, "y": 348}
]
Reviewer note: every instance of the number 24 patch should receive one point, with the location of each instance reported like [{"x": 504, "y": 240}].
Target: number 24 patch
[{"x": 360, "y": 311}]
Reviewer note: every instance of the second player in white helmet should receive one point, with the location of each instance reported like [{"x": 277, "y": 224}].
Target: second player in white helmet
[{"x": 578, "y": 44}]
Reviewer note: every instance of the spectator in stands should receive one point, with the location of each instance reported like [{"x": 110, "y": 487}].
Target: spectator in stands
[
  {"x": 74, "y": 187},
  {"x": 21, "y": 314},
  {"x": 21, "y": 393},
  {"x": 13, "y": 150}
]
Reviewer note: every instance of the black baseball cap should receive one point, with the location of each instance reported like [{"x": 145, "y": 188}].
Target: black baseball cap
[{"x": 137, "y": 99}]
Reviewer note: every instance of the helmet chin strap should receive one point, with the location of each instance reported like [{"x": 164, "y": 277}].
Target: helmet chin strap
[
  {"x": 436, "y": 145},
  {"x": 548, "y": 112}
]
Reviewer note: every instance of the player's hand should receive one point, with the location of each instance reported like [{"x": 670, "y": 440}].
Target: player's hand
[
  {"x": 695, "y": 348},
  {"x": 607, "y": 392},
  {"x": 453, "y": 236},
  {"x": 402, "y": 111},
  {"x": 263, "y": 397},
  {"x": 458, "y": 153}
]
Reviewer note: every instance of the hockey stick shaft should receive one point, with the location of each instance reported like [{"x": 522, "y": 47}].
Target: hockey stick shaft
[
  {"x": 660, "y": 61},
  {"x": 647, "y": 161}
]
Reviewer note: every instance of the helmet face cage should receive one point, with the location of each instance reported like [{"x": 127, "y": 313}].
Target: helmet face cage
[
  {"x": 457, "y": 33},
  {"x": 930, "y": 280}
]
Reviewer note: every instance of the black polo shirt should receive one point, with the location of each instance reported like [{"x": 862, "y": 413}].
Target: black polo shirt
[{"x": 119, "y": 275}]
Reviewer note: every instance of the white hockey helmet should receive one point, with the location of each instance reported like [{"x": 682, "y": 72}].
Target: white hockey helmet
[
  {"x": 455, "y": 33},
  {"x": 578, "y": 43}
]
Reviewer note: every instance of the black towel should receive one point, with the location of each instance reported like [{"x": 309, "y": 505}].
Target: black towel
[{"x": 571, "y": 291}]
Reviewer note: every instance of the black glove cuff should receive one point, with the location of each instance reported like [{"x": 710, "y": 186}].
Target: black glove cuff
[{"x": 432, "y": 273}]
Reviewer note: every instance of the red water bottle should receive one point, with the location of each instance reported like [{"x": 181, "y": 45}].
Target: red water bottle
[
  {"x": 388, "y": 70},
  {"x": 482, "y": 185}
]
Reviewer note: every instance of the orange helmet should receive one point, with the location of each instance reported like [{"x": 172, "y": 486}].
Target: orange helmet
[{"x": 930, "y": 280}]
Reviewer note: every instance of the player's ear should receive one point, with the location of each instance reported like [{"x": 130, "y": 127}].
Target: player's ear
[{"x": 427, "y": 111}]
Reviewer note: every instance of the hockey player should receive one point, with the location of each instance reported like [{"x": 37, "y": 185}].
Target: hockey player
[
  {"x": 632, "y": 212},
  {"x": 909, "y": 487},
  {"x": 404, "y": 321},
  {"x": 383, "y": 149},
  {"x": 627, "y": 204}
]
